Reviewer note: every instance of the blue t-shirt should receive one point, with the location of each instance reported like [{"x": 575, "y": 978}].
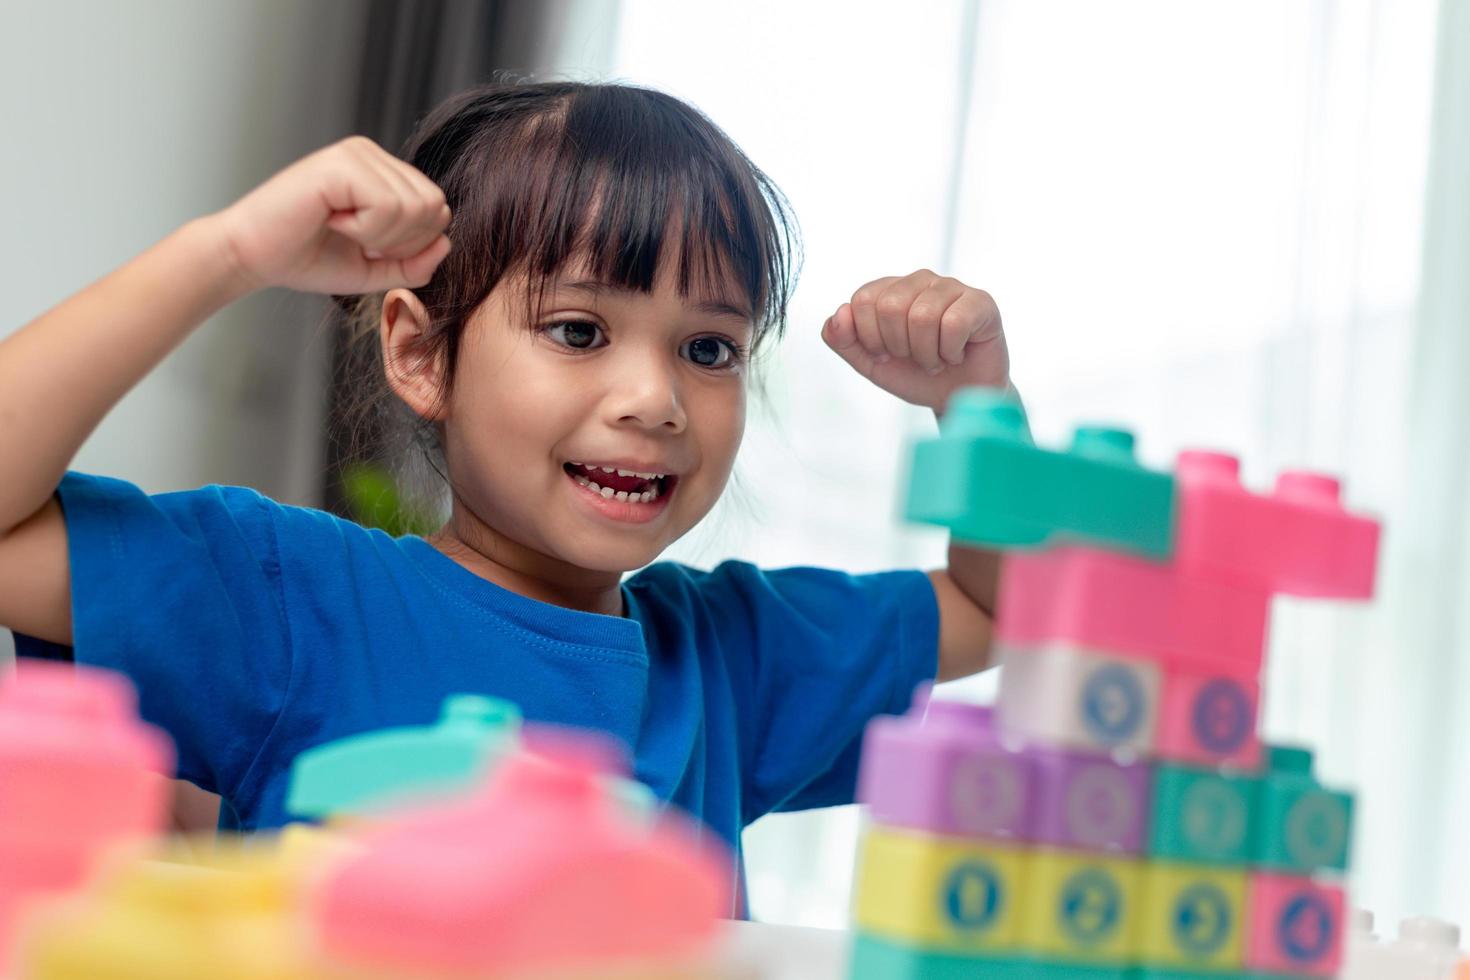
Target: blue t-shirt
[{"x": 255, "y": 630}]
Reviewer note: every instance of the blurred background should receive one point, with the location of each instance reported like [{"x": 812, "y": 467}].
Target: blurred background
[{"x": 1241, "y": 224}]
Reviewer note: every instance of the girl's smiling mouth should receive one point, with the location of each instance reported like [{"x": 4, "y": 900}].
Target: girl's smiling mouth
[{"x": 622, "y": 493}]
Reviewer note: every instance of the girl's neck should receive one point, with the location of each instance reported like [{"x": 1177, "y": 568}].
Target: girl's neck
[{"x": 510, "y": 565}]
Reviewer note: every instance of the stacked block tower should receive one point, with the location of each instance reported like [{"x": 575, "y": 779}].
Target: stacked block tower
[{"x": 1116, "y": 815}]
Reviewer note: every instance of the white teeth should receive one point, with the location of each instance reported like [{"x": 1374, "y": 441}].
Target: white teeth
[
  {"x": 646, "y": 496},
  {"x": 607, "y": 493},
  {"x": 607, "y": 469},
  {"x": 622, "y": 495},
  {"x": 625, "y": 473}
]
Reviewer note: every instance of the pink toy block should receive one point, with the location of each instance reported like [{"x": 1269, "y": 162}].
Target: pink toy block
[
  {"x": 1130, "y": 607},
  {"x": 1294, "y": 926},
  {"x": 1209, "y": 718},
  {"x": 1078, "y": 698},
  {"x": 538, "y": 870},
  {"x": 942, "y": 768},
  {"x": 1297, "y": 540},
  {"x": 79, "y": 772}
]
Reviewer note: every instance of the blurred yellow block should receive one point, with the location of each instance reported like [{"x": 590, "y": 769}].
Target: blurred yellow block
[
  {"x": 1082, "y": 908},
  {"x": 944, "y": 893},
  {"x": 230, "y": 915},
  {"x": 1193, "y": 916}
]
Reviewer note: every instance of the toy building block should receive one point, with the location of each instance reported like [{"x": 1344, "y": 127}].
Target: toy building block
[
  {"x": 387, "y": 767},
  {"x": 874, "y": 958},
  {"x": 538, "y": 869},
  {"x": 1203, "y": 816},
  {"x": 79, "y": 773},
  {"x": 940, "y": 893},
  {"x": 1193, "y": 917},
  {"x": 1302, "y": 827},
  {"x": 1209, "y": 718},
  {"x": 231, "y": 917},
  {"x": 1132, "y": 607},
  {"x": 1298, "y": 540},
  {"x": 1080, "y": 908},
  {"x": 942, "y": 768},
  {"x": 1090, "y": 802},
  {"x": 1295, "y": 926},
  {"x": 985, "y": 481},
  {"x": 1068, "y": 696}
]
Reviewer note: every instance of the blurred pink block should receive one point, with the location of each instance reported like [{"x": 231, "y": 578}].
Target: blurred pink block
[
  {"x": 1129, "y": 607},
  {"x": 539, "y": 870},
  {"x": 78, "y": 773},
  {"x": 1294, "y": 926},
  {"x": 1297, "y": 540}
]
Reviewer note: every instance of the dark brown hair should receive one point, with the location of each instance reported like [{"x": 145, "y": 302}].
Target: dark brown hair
[{"x": 537, "y": 174}]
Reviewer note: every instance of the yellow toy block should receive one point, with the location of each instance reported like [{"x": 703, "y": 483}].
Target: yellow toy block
[
  {"x": 942, "y": 893},
  {"x": 1082, "y": 908},
  {"x": 1193, "y": 916},
  {"x": 230, "y": 917}
]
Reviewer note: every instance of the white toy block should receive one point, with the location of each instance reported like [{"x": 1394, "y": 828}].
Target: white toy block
[
  {"x": 1063, "y": 694},
  {"x": 1426, "y": 949}
]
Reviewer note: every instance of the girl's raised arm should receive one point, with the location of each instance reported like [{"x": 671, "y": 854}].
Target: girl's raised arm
[{"x": 349, "y": 218}]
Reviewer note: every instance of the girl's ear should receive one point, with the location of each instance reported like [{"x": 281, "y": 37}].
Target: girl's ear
[{"x": 414, "y": 377}]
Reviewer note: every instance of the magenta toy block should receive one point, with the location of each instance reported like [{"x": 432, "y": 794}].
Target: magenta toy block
[
  {"x": 1129, "y": 606},
  {"x": 539, "y": 871},
  {"x": 79, "y": 772},
  {"x": 1090, "y": 802},
  {"x": 942, "y": 768},
  {"x": 1069, "y": 696},
  {"x": 1210, "y": 719},
  {"x": 1297, "y": 540},
  {"x": 1294, "y": 926}
]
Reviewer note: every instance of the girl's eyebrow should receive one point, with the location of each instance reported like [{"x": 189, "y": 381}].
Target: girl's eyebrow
[{"x": 712, "y": 307}]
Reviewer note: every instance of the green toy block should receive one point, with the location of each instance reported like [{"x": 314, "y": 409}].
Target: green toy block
[
  {"x": 986, "y": 481},
  {"x": 364, "y": 773},
  {"x": 1204, "y": 816},
  {"x": 879, "y": 959},
  {"x": 1303, "y": 826}
]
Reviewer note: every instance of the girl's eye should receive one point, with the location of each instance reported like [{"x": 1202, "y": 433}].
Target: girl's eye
[
  {"x": 713, "y": 352},
  {"x": 577, "y": 334}
]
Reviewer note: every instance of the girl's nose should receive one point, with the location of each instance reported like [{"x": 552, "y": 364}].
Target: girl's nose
[{"x": 646, "y": 393}]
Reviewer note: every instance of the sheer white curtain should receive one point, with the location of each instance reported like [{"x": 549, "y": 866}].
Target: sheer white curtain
[{"x": 1206, "y": 221}]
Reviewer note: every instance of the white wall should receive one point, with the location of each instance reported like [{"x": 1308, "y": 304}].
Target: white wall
[{"x": 123, "y": 121}]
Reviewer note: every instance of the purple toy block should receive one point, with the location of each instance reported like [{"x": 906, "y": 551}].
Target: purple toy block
[
  {"x": 942, "y": 768},
  {"x": 1090, "y": 802}
]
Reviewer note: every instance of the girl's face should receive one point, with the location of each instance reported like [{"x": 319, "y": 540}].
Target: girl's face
[{"x": 593, "y": 442}]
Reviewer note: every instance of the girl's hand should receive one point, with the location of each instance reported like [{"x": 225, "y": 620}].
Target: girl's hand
[
  {"x": 921, "y": 336},
  {"x": 350, "y": 218}
]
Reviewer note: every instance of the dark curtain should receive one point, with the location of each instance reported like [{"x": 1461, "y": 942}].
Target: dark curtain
[{"x": 415, "y": 54}]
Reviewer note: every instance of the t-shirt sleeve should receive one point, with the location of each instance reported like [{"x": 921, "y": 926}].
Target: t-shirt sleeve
[
  {"x": 181, "y": 592},
  {"x": 827, "y": 651}
]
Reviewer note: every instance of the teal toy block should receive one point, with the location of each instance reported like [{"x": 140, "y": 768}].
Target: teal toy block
[
  {"x": 872, "y": 958},
  {"x": 1303, "y": 826},
  {"x": 878, "y": 959},
  {"x": 364, "y": 773},
  {"x": 986, "y": 481},
  {"x": 1204, "y": 816}
]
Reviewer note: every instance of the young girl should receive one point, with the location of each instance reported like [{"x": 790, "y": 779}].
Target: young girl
[{"x": 576, "y": 362}]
